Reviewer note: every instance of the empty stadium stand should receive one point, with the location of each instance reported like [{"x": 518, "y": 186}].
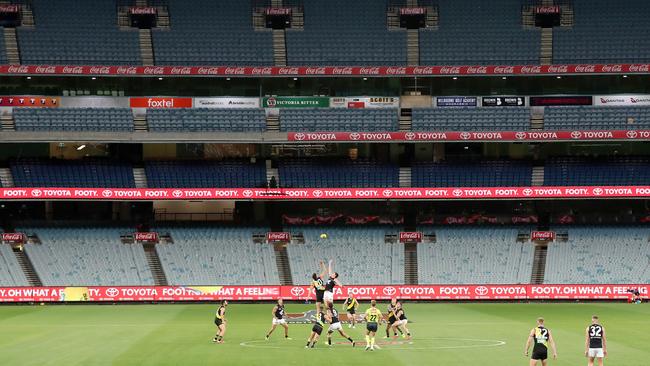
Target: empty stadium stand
[
  {"x": 604, "y": 32},
  {"x": 87, "y": 256},
  {"x": 3, "y": 52},
  {"x": 334, "y": 173},
  {"x": 479, "y": 33},
  {"x": 206, "y": 120},
  {"x": 475, "y": 255},
  {"x": 73, "y": 119},
  {"x": 322, "y": 119},
  {"x": 73, "y": 32},
  {"x": 72, "y": 173},
  {"x": 10, "y": 274},
  {"x": 579, "y": 171},
  {"x": 205, "y": 174},
  {"x": 600, "y": 254},
  {"x": 591, "y": 117},
  {"x": 206, "y": 32},
  {"x": 489, "y": 173},
  {"x": 339, "y": 32},
  {"x": 224, "y": 256},
  {"x": 360, "y": 255},
  {"x": 471, "y": 119}
]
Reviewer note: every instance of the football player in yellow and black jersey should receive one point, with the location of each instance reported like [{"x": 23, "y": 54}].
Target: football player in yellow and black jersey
[
  {"x": 373, "y": 317},
  {"x": 316, "y": 330},
  {"x": 402, "y": 321},
  {"x": 391, "y": 318},
  {"x": 595, "y": 344},
  {"x": 278, "y": 319},
  {"x": 540, "y": 337},
  {"x": 350, "y": 306},
  {"x": 220, "y": 322},
  {"x": 319, "y": 286}
]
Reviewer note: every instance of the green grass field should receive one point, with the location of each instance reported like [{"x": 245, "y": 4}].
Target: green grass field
[{"x": 444, "y": 334}]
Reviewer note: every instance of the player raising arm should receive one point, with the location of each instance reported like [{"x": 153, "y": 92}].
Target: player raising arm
[
  {"x": 319, "y": 286},
  {"x": 332, "y": 281},
  {"x": 373, "y": 317},
  {"x": 540, "y": 336},
  {"x": 220, "y": 322},
  {"x": 278, "y": 319},
  {"x": 350, "y": 306},
  {"x": 595, "y": 345}
]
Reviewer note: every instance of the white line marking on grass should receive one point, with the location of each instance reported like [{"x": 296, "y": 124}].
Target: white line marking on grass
[{"x": 478, "y": 343}]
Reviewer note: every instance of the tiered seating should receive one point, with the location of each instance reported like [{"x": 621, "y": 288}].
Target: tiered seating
[
  {"x": 360, "y": 255},
  {"x": 3, "y": 52},
  {"x": 332, "y": 173},
  {"x": 491, "y": 173},
  {"x": 599, "y": 254},
  {"x": 10, "y": 272},
  {"x": 77, "y": 32},
  {"x": 205, "y": 174},
  {"x": 206, "y": 120},
  {"x": 207, "y": 32},
  {"x": 74, "y": 119},
  {"x": 617, "y": 171},
  {"x": 339, "y": 32},
  {"x": 604, "y": 32},
  {"x": 487, "y": 33},
  {"x": 475, "y": 255},
  {"x": 471, "y": 119},
  {"x": 320, "y": 119},
  {"x": 593, "y": 118},
  {"x": 87, "y": 256},
  {"x": 72, "y": 173},
  {"x": 217, "y": 256}
]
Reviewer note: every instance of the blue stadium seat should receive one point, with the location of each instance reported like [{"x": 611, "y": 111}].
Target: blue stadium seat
[
  {"x": 206, "y": 120},
  {"x": 593, "y": 118},
  {"x": 615, "y": 171},
  {"x": 333, "y": 173},
  {"x": 323, "y": 119},
  {"x": 490, "y": 173},
  {"x": 72, "y": 173},
  {"x": 74, "y": 119},
  {"x": 205, "y": 174},
  {"x": 471, "y": 119}
]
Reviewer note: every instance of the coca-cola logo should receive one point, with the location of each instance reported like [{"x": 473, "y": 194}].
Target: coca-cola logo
[
  {"x": 299, "y": 136},
  {"x": 177, "y": 193},
  {"x": 389, "y": 291},
  {"x": 576, "y": 134},
  {"x": 612, "y": 68},
  {"x": 100, "y": 70},
  {"x": 112, "y": 292},
  {"x": 278, "y": 236},
  {"x": 146, "y": 236},
  {"x": 45, "y": 70},
  {"x": 107, "y": 193},
  {"x": 631, "y": 134},
  {"x": 558, "y": 68},
  {"x": 481, "y": 290},
  {"x": 531, "y": 69},
  {"x": 342, "y": 71},
  {"x": 585, "y": 68},
  {"x": 9, "y": 8},
  {"x": 315, "y": 71},
  {"x": 477, "y": 70},
  {"x": 396, "y": 70},
  {"x": 208, "y": 71},
  {"x": 247, "y": 193},
  {"x": 181, "y": 70},
  {"x": 262, "y": 70},
  {"x": 130, "y": 70},
  {"x": 154, "y": 70},
  {"x": 423, "y": 70},
  {"x": 640, "y": 68},
  {"x": 143, "y": 10},
  {"x": 450, "y": 70},
  {"x": 17, "y": 69},
  {"x": 235, "y": 71},
  {"x": 504, "y": 70},
  {"x": 73, "y": 70},
  {"x": 369, "y": 71},
  {"x": 297, "y": 291},
  {"x": 13, "y": 237}
]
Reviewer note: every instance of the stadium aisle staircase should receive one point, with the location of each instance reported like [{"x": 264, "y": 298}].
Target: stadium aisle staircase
[
  {"x": 411, "y": 263},
  {"x": 284, "y": 266},
  {"x": 153, "y": 260},
  {"x": 539, "y": 264},
  {"x": 27, "y": 267}
]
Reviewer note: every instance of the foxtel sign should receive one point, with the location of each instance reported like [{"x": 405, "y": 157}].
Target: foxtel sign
[
  {"x": 297, "y": 194},
  {"x": 576, "y": 135},
  {"x": 298, "y": 293}
]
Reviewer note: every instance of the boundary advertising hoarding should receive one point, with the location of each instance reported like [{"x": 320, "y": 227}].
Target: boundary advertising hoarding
[{"x": 301, "y": 293}]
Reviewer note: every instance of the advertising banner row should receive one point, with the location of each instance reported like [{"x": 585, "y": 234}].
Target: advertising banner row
[
  {"x": 361, "y": 292},
  {"x": 583, "y": 135},
  {"x": 296, "y": 194},
  {"x": 324, "y": 71}
]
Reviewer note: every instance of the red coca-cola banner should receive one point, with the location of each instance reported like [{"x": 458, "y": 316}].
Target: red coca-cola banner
[
  {"x": 413, "y": 11},
  {"x": 296, "y": 194},
  {"x": 278, "y": 237},
  {"x": 542, "y": 236},
  {"x": 278, "y": 11},
  {"x": 583, "y": 135},
  {"x": 361, "y": 292},
  {"x": 143, "y": 10},
  {"x": 550, "y": 9},
  {"x": 9, "y": 8},
  {"x": 13, "y": 238},
  {"x": 148, "y": 237},
  {"x": 410, "y": 237},
  {"x": 387, "y": 71}
]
